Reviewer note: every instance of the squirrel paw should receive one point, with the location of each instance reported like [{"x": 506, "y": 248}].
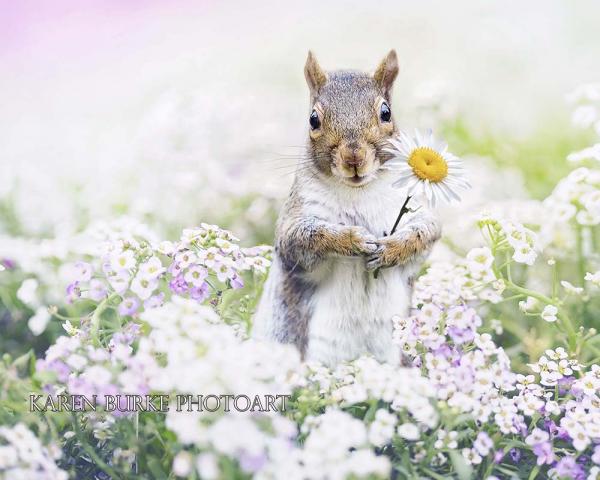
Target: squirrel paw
[
  {"x": 396, "y": 250},
  {"x": 360, "y": 241}
]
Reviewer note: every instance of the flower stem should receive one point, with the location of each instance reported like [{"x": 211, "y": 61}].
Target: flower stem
[
  {"x": 562, "y": 315},
  {"x": 90, "y": 450},
  {"x": 403, "y": 210},
  {"x": 95, "y": 321}
]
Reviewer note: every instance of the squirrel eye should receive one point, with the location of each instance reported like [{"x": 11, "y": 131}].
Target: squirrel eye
[
  {"x": 314, "y": 120},
  {"x": 385, "y": 114}
]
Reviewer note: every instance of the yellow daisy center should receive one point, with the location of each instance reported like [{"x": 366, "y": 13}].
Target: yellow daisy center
[{"x": 427, "y": 164}]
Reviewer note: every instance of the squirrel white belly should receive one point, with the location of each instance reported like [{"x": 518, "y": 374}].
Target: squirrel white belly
[{"x": 321, "y": 294}]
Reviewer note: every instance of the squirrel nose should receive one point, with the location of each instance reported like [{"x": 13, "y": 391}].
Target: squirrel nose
[
  {"x": 352, "y": 156},
  {"x": 354, "y": 160}
]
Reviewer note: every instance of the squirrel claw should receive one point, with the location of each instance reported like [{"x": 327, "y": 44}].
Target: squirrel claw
[
  {"x": 372, "y": 248},
  {"x": 374, "y": 261}
]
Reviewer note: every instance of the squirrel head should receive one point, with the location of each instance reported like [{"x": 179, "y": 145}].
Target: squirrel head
[{"x": 350, "y": 119}]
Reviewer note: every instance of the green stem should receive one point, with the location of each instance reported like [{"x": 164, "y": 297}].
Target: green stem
[
  {"x": 95, "y": 320},
  {"x": 90, "y": 450},
  {"x": 580, "y": 256},
  {"x": 564, "y": 318}
]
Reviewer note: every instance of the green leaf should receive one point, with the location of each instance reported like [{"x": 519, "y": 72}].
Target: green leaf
[{"x": 463, "y": 470}]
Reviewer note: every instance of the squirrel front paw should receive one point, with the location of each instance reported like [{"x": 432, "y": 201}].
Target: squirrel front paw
[
  {"x": 399, "y": 248},
  {"x": 355, "y": 241}
]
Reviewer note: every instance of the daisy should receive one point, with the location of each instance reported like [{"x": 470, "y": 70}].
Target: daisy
[{"x": 426, "y": 166}]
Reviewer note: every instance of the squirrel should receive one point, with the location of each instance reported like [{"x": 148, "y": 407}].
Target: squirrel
[{"x": 320, "y": 293}]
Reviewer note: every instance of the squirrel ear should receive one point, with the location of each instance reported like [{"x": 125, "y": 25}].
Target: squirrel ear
[
  {"x": 315, "y": 76},
  {"x": 387, "y": 71}
]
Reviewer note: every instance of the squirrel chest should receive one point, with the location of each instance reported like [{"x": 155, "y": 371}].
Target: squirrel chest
[{"x": 337, "y": 310}]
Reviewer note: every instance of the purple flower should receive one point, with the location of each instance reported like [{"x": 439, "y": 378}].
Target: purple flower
[
  {"x": 8, "y": 263},
  {"x": 551, "y": 426},
  {"x": 200, "y": 293},
  {"x": 127, "y": 335},
  {"x": 515, "y": 454},
  {"x": 154, "y": 301},
  {"x": 544, "y": 453},
  {"x": 583, "y": 459},
  {"x": 97, "y": 290},
  {"x": 499, "y": 455},
  {"x": 73, "y": 292},
  {"x": 252, "y": 463},
  {"x": 236, "y": 281},
  {"x": 460, "y": 336},
  {"x": 58, "y": 367},
  {"x": 562, "y": 434},
  {"x": 444, "y": 351},
  {"x": 567, "y": 467},
  {"x": 82, "y": 272},
  {"x": 179, "y": 285},
  {"x": 128, "y": 306},
  {"x": 564, "y": 385}
]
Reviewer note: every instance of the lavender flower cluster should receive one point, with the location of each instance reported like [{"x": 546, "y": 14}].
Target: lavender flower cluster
[{"x": 142, "y": 273}]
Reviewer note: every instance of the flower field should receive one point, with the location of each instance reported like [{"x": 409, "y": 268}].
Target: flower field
[
  {"x": 136, "y": 270},
  {"x": 501, "y": 374}
]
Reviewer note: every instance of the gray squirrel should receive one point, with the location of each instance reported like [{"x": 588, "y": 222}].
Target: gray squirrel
[{"x": 321, "y": 294}]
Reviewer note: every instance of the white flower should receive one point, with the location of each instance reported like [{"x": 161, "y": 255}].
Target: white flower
[
  {"x": 381, "y": 430},
  {"x": 536, "y": 437},
  {"x": 480, "y": 260},
  {"x": 166, "y": 248},
  {"x": 426, "y": 166},
  {"x": 409, "y": 431},
  {"x": 593, "y": 278},
  {"x": 446, "y": 440},
  {"x": 594, "y": 473},
  {"x": 590, "y": 153},
  {"x": 196, "y": 275},
  {"x": 27, "y": 292},
  {"x": 38, "y": 322},
  {"x": 483, "y": 443},
  {"x": 549, "y": 313},
  {"x": 151, "y": 268},
  {"x": 143, "y": 287},
  {"x": 119, "y": 282},
  {"x": 471, "y": 456},
  {"x": 580, "y": 438},
  {"x": 207, "y": 466},
  {"x": 182, "y": 464},
  {"x": 524, "y": 254},
  {"x": 584, "y": 116},
  {"x": 528, "y": 304},
  {"x": 124, "y": 260},
  {"x": 570, "y": 288}
]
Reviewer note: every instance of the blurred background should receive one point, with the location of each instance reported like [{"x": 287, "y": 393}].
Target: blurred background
[{"x": 181, "y": 111}]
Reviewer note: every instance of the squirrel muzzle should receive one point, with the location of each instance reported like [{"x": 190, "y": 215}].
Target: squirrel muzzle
[{"x": 354, "y": 162}]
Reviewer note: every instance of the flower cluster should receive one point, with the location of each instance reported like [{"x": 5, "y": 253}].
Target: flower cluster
[
  {"x": 142, "y": 273},
  {"x": 76, "y": 366},
  {"x": 22, "y": 455},
  {"x": 187, "y": 346},
  {"x": 577, "y": 197},
  {"x": 586, "y": 99}
]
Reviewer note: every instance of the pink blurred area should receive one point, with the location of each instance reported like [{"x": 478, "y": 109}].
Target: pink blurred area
[{"x": 46, "y": 31}]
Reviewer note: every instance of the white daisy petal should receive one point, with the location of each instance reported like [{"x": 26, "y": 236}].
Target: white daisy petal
[{"x": 440, "y": 173}]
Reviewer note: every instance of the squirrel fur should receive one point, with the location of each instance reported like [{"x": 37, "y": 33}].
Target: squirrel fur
[{"x": 331, "y": 235}]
